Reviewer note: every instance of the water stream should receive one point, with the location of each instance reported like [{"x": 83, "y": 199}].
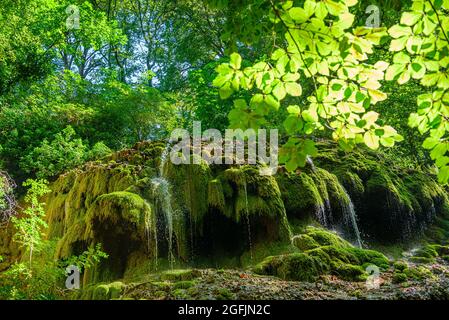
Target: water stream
[
  {"x": 163, "y": 199},
  {"x": 350, "y": 218}
]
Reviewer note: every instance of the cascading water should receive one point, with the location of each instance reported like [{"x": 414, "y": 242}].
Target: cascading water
[
  {"x": 320, "y": 213},
  {"x": 310, "y": 162},
  {"x": 151, "y": 230},
  {"x": 163, "y": 199},
  {"x": 350, "y": 217}
]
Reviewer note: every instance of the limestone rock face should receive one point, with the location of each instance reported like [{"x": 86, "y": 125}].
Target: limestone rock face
[{"x": 149, "y": 214}]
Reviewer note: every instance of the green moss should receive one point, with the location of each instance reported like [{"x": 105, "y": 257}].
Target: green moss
[
  {"x": 349, "y": 272},
  {"x": 295, "y": 266},
  {"x": 101, "y": 292},
  {"x": 400, "y": 266},
  {"x": 224, "y": 294},
  {"x": 427, "y": 254},
  {"x": 428, "y": 251},
  {"x": 299, "y": 193},
  {"x": 180, "y": 294},
  {"x": 304, "y": 242},
  {"x": 264, "y": 249},
  {"x": 190, "y": 188},
  {"x": 180, "y": 275},
  {"x": 422, "y": 260},
  {"x": 106, "y": 291},
  {"x": 399, "y": 277},
  {"x": 326, "y": 238},
  {"x": 329, "y": 187},
  {"x": 419, "y": 273},
  {"x": 116, "y": 289},
  {"x": 251, "y": 194},
  {"x": 323, "y": 252},
  {"x": 184, "y": 284},
  {"x": 351, "y": 181},
  {"x": 215, "y": 195}
]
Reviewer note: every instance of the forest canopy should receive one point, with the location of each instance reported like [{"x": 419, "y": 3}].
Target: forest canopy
[{"x": 79, "y": 79}]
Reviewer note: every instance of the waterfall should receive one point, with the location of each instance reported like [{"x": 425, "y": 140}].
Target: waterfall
[
  {"x": 320, "y": 213},
  {"x": 323, "y": 212},
  {"x": 350, "y": 217},
  {"x": 163, "y": 198},
  {"x": 151, "y": 230},
  {"x": 310, "y": 162}
]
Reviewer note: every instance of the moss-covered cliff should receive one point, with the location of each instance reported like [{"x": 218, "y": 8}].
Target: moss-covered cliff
[{"x": 150, "y": 214}]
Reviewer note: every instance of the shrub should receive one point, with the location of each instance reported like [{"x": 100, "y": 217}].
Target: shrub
[{"x": 49, "y": 159}]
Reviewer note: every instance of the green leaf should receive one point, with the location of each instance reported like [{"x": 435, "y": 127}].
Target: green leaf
[
  {"x": 293, "y": 124},
  {"x": 298, "y": 14},
  {"x": 294, "y": 89},
  {"x": 272, "y": 102},
  {"x": 443, "y": 175},
  {"x": 236, "y": 61},
  {"x": 371, "y": 140},
  {"x": 225, "y": 91},
  {"x": 294, "y": 109},
  {"x": 401, "y": 58},
  {"x": 309, "y": 116},
  {"x": 410, "y": 18},
  {"x": 337, "y": 87},
  {"x": 398, "y": 31},
  {"x": 430, "y": 143},
  {"x": 370, "y": 118},
  {"x": 438, "y": 151},
  {"x": 414, "y": 120},
  {"x": 379, "y": 132},
  {"x": 279, "y": 91},
  {"x": 309, "y": 148},
  {"x": 387, "y": 141}
]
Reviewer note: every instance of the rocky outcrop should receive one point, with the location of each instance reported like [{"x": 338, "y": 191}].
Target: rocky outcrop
[{"x": 150, "y": 214}]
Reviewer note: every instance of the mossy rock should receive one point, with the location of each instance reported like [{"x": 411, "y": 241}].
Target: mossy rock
[
  {"x": 180, "y": 275},
  {"x": 441, "y": 250},
  {"x": 295, "y": 266},
  {"x": 180, "y": 294},
  {"x": 349, "y": 272},
  {"x": 224, "y": 294},
  {"x": 304, "y": 242},
  {"x": 116, "y": 289},
  {"x": 427, "y": 254},
  {"x": 184, "y": 284},
  {"x": 419, "y": 273},
  {"x": 428, "y": 251},
  {"x": 326, "y": 238},
  {"x": 422, "y": 260},
  {"x": 108, "y": 291},
  {"x": 328, "y": 254},
  {"x": 400, "y": 266},
  {"x": 399, "y": 277},
  {"x": 101, "y": 292}
]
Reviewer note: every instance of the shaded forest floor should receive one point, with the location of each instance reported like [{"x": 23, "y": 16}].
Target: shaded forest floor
[{"x": 213, "y": 284}]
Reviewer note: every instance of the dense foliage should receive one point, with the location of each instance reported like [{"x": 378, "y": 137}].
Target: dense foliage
[{"x": 81, "y": 79}]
